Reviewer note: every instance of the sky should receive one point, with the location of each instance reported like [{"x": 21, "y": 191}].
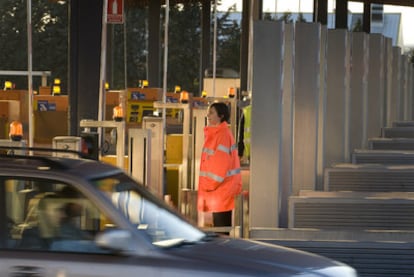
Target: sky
[{"x": 356, "y": 7}]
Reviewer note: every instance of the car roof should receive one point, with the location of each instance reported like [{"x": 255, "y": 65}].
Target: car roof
[{"x": 84, "y": 168}]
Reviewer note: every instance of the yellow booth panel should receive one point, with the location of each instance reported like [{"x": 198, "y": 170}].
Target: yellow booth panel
[
  {"x": 173, "y": 180},
  {"x": 133, "y": 112},
  {"x": 111, "y": 159},
  {"x": 172, "y": 98},
  {"x": 174, "y": 153},
  {"x": 136, "y": 110}
]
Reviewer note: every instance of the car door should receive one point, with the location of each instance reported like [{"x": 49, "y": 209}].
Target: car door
[{"x": 51, "y": 230}]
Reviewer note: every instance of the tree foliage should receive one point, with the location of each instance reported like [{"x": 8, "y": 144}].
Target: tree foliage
[
  {"x": 358, "y": 26},
  {"x": 228, "y": 46},
  {"x": 286, "y": 17},
  {"x": 184, "y": 47},
  {"x": 49, "y": 39},
  {"x": 136, "y": 49},
  {"x": 301, "y": 18},
  {"x": 50, "y": 43}
]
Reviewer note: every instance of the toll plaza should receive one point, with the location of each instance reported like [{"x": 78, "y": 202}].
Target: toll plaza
[
  {"x": 329, "y": 147},
  {"x": 331, "y": 142},
  {"x": 166, "y": 162}
]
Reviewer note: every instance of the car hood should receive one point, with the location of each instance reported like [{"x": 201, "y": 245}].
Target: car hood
[{"x": 258, "y": 258}]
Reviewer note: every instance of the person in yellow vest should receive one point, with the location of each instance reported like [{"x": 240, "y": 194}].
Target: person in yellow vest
[
  {"x": 245, "y": 134},
  {"x": 220, "y": 178}
]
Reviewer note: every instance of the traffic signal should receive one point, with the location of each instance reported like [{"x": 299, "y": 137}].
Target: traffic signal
[{"x": 90, "y": 145}]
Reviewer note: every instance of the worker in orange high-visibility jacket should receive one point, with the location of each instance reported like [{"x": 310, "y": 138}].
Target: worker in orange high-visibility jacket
[{"x": 220, "y": 177}]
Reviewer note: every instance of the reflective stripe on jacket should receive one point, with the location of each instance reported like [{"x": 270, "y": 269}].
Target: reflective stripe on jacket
[{"x": 220, "y": 178}]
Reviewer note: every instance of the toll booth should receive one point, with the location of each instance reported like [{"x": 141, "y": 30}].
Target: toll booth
[
  {"x": 50, "y": 117},
  {"x": 184, "y": 146},
  {"x": 94, "y": 125},
  {"x": 139, "y": 155},
  {"x": 13, "y": 106},
  {"x": 185, "y": 166},
  {"x": 9, "y": 111},
  {"x": 51, "y": 111},
  {"x": 155, "y": 127},
  {"x": 139, "y": 103},
  {"x": 225, "y": 78}
]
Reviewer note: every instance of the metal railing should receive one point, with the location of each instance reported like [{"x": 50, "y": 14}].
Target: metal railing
[{"x": 43, "y": 74}]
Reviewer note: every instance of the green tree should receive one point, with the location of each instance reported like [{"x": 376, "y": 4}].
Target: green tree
[
  {"x": 358, "y": 26},
  {"x": 286, "y": 17},
  {"x": 136, "y": 36},
  {"x": 301, "y": 18},
  {"x": 269, "y": 16},
  {"x": 184, "y": 47},
  {"x": 13, "y": 35},
  {"x": 49, "y": 39},
  {"x": 50, "y": 43},
  {"x": 228, "y": 46}
]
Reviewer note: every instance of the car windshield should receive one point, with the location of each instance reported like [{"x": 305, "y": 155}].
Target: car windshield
[{"x": 147, "y": 213}]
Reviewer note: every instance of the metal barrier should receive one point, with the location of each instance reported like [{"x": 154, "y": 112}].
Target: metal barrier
[
  {"x": 240, "y": 218},
  {"x": 43, "y": 74}
]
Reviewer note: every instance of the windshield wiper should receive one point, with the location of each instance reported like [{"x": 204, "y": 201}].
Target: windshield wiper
[{"x": 209, "y": 236}]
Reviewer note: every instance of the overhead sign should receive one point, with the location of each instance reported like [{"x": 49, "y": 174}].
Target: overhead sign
[{"x": 115, "y": 12}]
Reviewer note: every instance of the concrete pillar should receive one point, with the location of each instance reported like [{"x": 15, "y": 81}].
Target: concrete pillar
[
  {"x": 306, "y": 105},
  {"x": 375, "y": 108},
  {"x": 359, "y": 91},
  {"x": 266, "y": 123},
  {"x": 337, "y": 116}
]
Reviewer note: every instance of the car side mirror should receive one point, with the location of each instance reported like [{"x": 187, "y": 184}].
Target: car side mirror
[{"x": 115, "y": 240}]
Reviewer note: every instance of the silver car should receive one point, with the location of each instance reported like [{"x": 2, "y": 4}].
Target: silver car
[{"x": 76, "y": 217}]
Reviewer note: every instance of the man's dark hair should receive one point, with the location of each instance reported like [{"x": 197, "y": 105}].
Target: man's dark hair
[{"x": 222, "y": 111}]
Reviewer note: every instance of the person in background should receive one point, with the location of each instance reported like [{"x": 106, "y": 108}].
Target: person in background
[
  {"x": 244, "y": 134},
  {"x": 69, "y": 227},
  {"x": 220, "y": 177}
]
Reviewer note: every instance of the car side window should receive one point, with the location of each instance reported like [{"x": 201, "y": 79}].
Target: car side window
[{"x": 52, "y": 216}]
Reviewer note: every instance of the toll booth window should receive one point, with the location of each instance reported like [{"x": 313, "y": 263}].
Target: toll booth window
[{"x": 54, "y": 216}]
